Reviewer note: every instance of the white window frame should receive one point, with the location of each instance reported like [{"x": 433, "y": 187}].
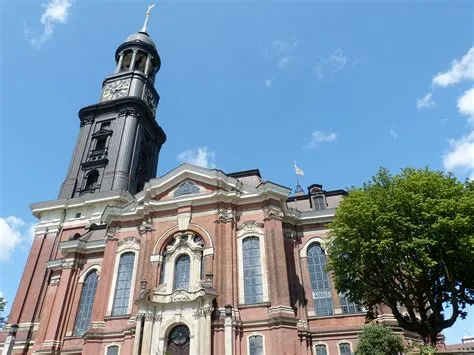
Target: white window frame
[
  {"x": 256, "y": 334},
  {"x": 109, "y": 345},
  {"x": 322, "y": 343},
  {"x": 126, "y": 245},
  {"x": 251, "y": 229},
  {"x": 84, "y": 274},
  {"x": 341, "y": 342}
]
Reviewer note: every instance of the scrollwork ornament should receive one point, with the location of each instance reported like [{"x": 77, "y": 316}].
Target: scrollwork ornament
[
  {"x": 225, "y": 216},
  {"x": 272, "y": 212}
]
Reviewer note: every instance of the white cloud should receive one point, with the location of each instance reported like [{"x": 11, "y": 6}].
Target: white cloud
[
  {"x": 201, "y": 157},
  {"x": 269, "y": 83},
  {"x": 284, "y": 52},
  {"x": 320, "y": 137},
  {"x": 461, "y": 70},
  {"x": 13, "y": 232},
  {"x": 461, "y": 155},
  {"x": 425, "y": 102},
  {"x": 393, "y": 133},
  {"x": 55, "y": 12},
  {"x": 337, "y": 61},
  {"x": 466, "y": 105}
]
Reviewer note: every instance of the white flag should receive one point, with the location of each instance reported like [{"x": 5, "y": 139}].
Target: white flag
[{"x": 298, "y": 171}]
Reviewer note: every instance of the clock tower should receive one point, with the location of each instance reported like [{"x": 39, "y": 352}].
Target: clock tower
[{"x": 119, "y": 139}]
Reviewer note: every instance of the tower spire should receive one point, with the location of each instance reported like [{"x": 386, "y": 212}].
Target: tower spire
[{"x": 148, "y": 11}]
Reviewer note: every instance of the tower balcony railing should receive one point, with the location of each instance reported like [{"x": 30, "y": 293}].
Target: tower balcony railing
[{"x": 97, "y": 154}]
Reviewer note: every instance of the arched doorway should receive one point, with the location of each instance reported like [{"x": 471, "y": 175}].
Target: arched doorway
[{"x": 178, "y": 341}]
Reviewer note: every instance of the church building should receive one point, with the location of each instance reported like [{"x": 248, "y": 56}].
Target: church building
[{"x": 196, "y": 261}]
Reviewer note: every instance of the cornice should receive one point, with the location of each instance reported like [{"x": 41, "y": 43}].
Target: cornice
[{"x": 100, "y": 197}]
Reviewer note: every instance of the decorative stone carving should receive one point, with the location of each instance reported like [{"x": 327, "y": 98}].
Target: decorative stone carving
[
  {"x": 129, "y": 243},
  {"x": 54, "y": 280},
  {"x": 111, "y": 233},
  {"x": 273, "y": 212},
  {"x": 225, "y": 216},
  {"x": 158, "y": 318},
  {"x": 149, "y": 317},
  {"x": 202, "y": 312},
  {"x": 186, "y": 188},
  {"x": 71, "y": 263},
  {"x": 179, "y": 296},
  {"x": 129, "y": 112},
  {"x": 250, "y": 227},
  {"x": 146, "y": 226},
  {"x": 86, "y": 120}
]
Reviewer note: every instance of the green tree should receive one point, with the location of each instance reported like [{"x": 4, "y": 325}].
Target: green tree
[
  {"x": 407, "y": 241},
  {"x": 379, "y": 340}
]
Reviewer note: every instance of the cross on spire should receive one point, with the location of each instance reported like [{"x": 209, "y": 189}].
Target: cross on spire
[{"x": 148, "y": 11}]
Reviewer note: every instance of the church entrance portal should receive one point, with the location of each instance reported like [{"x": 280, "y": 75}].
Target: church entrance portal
[{"x": 178, "y": 341}]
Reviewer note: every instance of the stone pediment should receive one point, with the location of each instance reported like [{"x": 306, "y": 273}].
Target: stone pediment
[
  {"x": 186, "y": 188},
  {"x": 102, "y": 132}
]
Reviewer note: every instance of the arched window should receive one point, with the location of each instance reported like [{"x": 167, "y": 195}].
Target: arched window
[
  {"x": 85, "y": 304},
  {"x": 319, "y": 280},
  {"x": 178, "y": 340},
  {"x": 321, "y": 349},
  {"x": 345, "y": 349},
  {"x": 123, "y": 284},
  {"x": 256, "y": 345},
  {"x": 113, "y": 350},
  {"x": 92, "y": 179},
  {"x": 253, "y": 287},
  {"x": 181, "y": 273}
]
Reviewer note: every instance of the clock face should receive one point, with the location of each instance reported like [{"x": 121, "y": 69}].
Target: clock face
[
  {"x": 116, "y": 90},
  {"x": 150, "y": 100}
]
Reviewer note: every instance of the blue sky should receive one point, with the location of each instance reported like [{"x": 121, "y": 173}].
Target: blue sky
[{"x": 342, "y": 87}]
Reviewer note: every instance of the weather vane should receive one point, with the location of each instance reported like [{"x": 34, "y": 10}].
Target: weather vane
[{"x": 148, "y": 11}]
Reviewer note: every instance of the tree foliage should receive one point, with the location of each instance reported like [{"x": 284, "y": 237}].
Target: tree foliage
[
  {"x": 407, "y": 241},
  {"x": 379, "y": 340}
]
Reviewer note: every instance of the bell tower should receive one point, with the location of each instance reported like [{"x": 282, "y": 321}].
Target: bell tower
[{"x": 119, "y": 140}]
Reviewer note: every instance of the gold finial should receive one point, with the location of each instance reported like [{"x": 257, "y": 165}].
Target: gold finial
[{"x": 151, "y": 6}]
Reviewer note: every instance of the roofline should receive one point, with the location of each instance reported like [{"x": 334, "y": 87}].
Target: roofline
[
  {"x": 243, "y": 173},
  {"x": 326, "y": 193}
]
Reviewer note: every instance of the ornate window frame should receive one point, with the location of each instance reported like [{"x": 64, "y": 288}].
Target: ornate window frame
[
  {"x": 251, "y": 229},
  {"x": 182, "y": 243},
  {"x": 342, "y": 342},
  {"x": 126, "y": 245},
  {"x": 256, "y": 334}
]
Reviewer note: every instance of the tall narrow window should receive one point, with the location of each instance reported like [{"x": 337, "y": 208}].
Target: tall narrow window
[
  {"x": 92, "y": 179},
  {"x": 319, "y": 203},
  {"x": 181, "y": 273},
  {"x": 345, "y": 349},
  {"x": 123, "y": 284},
  {"x": 253, "y": 288},
  {"x": 163, "y": 269},
  {"x": 113, "y": 350},
  {"x": 85, "y": 304},
  {"x": 321, "y": 289},
  {"x": 321, "y": 349},
  {"x": 348, "y": 306},
  {"x": 255, "y": 345}
]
